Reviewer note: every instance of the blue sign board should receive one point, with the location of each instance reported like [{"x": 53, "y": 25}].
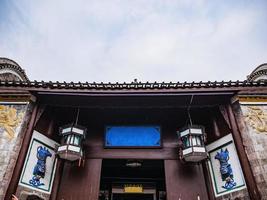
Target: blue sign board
[{"x": 133, "y": 136}]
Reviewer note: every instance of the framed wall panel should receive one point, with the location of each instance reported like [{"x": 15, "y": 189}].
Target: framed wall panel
[
  {"x": 225, "y": 169},
  {"x": 133, "y": 136},
  {"x": 40, "y": 164}
]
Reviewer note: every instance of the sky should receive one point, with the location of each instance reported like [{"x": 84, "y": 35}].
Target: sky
[{"x": 123, "y": 40}]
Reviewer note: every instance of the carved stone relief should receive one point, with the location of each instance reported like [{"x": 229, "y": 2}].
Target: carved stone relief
[
  {"x": 10, "y": 119},
  {"x": 256, "y": 117}
]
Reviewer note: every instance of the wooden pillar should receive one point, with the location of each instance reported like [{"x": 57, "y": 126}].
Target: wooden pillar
[
  {"x": 22, "y": 154},
  {"x": 251, "y": 183},
  {"x": 208, "y": 180},
  {"x": 184, "y": 181},
  {"x": 79, "y": 183},
  {"x": 57, "y": 180}
]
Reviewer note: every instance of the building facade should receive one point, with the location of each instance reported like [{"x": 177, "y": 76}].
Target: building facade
[{"x": 129, "y": 141}]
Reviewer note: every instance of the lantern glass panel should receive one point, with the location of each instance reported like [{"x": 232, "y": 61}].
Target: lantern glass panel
[
  {"x": 196, "y": 139},
  {"x": 72, "y": 139},
  {"x": 76, "y": 140},
  {"x": 186, "y": 142},
  {"x": 68, "y": 139}
]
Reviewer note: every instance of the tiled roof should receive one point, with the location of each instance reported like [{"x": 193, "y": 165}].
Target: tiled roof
[{"x": 132, "y": 85}]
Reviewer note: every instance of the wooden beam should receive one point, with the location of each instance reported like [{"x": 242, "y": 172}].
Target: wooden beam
[
  {"x": 96, "y": 152},
  {"x": 250, "y": 181}
]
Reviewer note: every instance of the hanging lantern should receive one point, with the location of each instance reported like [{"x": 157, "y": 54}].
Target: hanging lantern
[
  {"x": 71, "y": 141},
  {"x": 192, "y": 147}
]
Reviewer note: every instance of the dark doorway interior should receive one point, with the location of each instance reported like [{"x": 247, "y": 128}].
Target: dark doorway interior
[
  {"x": 116, "y": 174},
  {"x": 133, "y": 196}
]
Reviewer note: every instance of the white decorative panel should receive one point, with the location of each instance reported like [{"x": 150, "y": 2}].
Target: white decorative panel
[
  {"x": 224, "y": 166},
  {"x": 40, "y": 164}
]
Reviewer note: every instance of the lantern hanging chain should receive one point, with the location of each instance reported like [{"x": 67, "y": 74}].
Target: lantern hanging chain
[
  {"x": 188, "y": 110},
  {"x": 77, "y": 116}
]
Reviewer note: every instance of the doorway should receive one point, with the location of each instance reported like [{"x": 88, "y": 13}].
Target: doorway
[{"x": 123, "y": 179}]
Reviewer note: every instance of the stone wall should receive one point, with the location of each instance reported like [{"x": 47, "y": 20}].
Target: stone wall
[
  {"x": 238, "y": 195},
  {"x": 22, "y": 193},
  {"x": 252, "y": 121},
  {"x": 14, "y": 119}
]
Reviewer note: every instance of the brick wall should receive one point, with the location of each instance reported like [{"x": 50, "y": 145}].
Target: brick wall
[
  {"x": 238, "y": 195},
  {"x": 22, "y": 193}
]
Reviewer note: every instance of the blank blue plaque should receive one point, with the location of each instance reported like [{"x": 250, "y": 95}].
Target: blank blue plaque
[{"x": 133, "y": 136}]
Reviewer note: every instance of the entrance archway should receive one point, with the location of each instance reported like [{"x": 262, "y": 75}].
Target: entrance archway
[{"x": 134, "y": 180}]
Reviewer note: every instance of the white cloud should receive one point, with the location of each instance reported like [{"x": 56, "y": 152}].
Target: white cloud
[{"x": 123, "y": 40}]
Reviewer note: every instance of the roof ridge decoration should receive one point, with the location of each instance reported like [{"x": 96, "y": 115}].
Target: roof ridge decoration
[
  {"x": 260, "y": 73},
  {"x": 12, "y": 75},
  {"x": 11, "y": 71},
  {"x": 132, "y": 85}
]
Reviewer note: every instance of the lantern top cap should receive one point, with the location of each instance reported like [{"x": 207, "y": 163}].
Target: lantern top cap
[
  {"x": 191, "y": 129},
  {"x": 73, "y": 125},
  {"x": 73, "y": 129}
]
